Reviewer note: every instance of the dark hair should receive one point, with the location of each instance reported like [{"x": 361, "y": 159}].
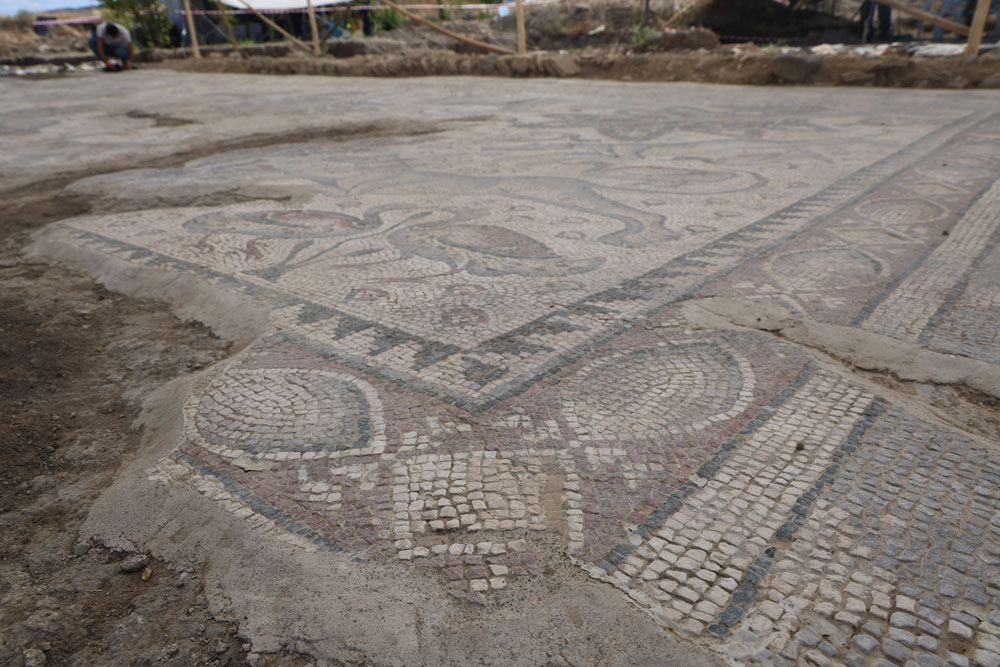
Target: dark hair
[{"x": 112, "y": 30}]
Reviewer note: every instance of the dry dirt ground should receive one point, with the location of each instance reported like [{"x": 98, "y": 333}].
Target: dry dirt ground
[{"x": 73, "y": 357}]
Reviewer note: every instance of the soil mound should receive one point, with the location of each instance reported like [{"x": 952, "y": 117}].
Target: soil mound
[
  {"x": 745, "y": 64},
  {"x": 19, "y": 39}
]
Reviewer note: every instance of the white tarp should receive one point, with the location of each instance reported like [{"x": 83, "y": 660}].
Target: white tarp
[{"x": 282, "y": 4}]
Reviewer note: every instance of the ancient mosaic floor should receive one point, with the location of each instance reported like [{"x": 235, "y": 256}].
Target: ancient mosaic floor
[{"x": 477, "y": 339}]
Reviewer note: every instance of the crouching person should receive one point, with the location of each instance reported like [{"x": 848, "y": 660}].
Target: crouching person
[{"x": 112, "y": 40}]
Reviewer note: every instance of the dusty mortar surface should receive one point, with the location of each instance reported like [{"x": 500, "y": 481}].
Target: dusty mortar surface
[{"x": 548, "y": 372}]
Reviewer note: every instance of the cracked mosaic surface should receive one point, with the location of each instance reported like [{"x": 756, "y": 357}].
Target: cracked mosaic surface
[{"x": 468, "y": 357}]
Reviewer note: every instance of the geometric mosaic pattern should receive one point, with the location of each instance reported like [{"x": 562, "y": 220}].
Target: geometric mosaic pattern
[
  {"x": 424, "y": 291},
  {"x": 467, "y": 356},
  {"x": 916, "y": 259}
]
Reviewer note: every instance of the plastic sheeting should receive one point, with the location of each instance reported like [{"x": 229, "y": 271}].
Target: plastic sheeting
[{"x": 281, "y": 4}]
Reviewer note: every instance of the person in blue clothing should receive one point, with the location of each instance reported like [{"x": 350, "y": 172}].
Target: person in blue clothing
[{"x": 112, "y": 40}]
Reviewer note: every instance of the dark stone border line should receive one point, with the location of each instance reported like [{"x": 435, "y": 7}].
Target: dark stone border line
[
  {"x": 654, "y": 286},
  {"x": 400, "y": 378},
  {"x": 801, "y": 509},
  {"x": 278, "y": 300},
  {"x": 958, "y": 289},
  {"x": 707, "y": 471},
  {"x": 746, "y": 592},
  {"x": 874, "y": 303},
  {"x": 658, "y": 279},
  {"x": 261, "y": 506},
  {"x": 647, "y": 284}
]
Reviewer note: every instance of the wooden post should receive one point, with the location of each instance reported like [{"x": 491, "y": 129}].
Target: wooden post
[
  {"x": 444, "y": 31},
  {"x": 522, "y": 41},
  {"x": 229, "y": 25},
  {"x": 326, "y": 35},
  {"x": 312, "y": 27},
  {"x": 274, "y": 25},
  {"x": 978, "y": 25},
  {"x": 191, "y": 31}
]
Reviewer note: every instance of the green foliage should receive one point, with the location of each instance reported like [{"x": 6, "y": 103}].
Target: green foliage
[
  {"x": 148, "y": 18},
  {"x": 386, "y": 19},
  {"x": 641, "y": 34}
]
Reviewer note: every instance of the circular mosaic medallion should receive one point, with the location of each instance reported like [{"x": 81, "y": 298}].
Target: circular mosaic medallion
[
  {"x": 901, "y": 211},
  {"x": 683, "y": 180},
  {"x": 825, "y": 268},
  {"x": 652, "y": 391},
  {"x": 259, "y": 411}
]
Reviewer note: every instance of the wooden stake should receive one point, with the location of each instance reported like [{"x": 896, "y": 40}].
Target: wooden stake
[
  {"x": 229, "y": 25},
  {"x": 312, "y": 27},
  {"x": 191, "y": 31},
  {"x": 522, "y": 41},
  {"x": 978, "y": 25},
  {"x": 933, "y": 19},
  {"x": 326, "y": 35},
  {"x": 274, "y": 25},
  {"x": 444, "y": 31}
]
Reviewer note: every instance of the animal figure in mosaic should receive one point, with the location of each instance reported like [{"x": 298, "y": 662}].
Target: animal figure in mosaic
[
  {"x": 640, "y": 228},
  {"x": 325, "y": 231},
  {"x": 487, "y": 250},
  {"x": 302, "y": 224}
]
